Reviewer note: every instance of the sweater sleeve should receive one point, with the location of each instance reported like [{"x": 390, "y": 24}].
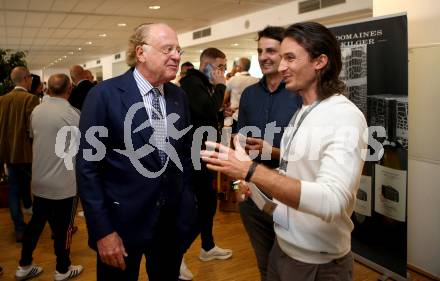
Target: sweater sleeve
[{"x": 333, "y": 191}]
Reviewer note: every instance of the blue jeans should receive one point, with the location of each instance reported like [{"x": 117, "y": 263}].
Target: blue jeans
[{"x": 19, "y": 179}]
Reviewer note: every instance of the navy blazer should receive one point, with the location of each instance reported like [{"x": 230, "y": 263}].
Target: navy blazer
[{"x": 114, "y": 195}]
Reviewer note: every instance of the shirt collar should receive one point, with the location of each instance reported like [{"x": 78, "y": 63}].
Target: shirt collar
[
  {"x": 263, "y": 83},
  {"x": 20, "y": 88},
  {"x": 143, "y": 84},
  {"x": 80, "y": 81},
  {"x": 243, "y": 73}
]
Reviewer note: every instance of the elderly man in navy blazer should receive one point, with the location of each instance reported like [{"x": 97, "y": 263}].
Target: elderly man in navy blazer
[{"x": 133, "y": 163}]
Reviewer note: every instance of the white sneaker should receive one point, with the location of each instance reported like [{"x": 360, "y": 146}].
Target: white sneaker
[
  {"x": 27, "y": 272},
  {"x": 74, "y": 270},
  {"x": 185, "y": 273},
  {"x": 215, "y": 253}
]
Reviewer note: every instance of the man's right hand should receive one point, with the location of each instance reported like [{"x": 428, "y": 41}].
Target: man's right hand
[
  {"x": 218, "y": 77},
  {"x": 229, "y": 111},
  {"x": 111, "y": 250}
]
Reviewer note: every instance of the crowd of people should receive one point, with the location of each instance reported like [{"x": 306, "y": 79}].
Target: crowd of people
[{"x": 146, "y": 152}]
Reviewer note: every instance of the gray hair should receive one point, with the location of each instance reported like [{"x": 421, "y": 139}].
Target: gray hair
[{"x": 141, "y": 33}]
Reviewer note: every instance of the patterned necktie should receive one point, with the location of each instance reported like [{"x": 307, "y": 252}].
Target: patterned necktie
[{"x": 159, "y": 125}]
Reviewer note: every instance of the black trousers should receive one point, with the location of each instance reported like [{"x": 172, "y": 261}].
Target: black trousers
[
  {"x": 61, "y": 215},
  {"x": 162, "y": 254},
  {"x": 207, "y": 201}
]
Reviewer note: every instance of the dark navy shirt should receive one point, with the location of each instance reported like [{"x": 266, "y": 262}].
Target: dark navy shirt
[{"x": 259, "y": 107}]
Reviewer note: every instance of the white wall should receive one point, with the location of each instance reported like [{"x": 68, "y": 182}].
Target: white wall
[
  {"x": 46, "y": 73},
  {"x": 107, "y": 65},
  {"x": 38, "y": 72},
  {"x": 279, "y": 15},
  {"x": 424, "y": 131},
  {"x": 119, "y": 68}
]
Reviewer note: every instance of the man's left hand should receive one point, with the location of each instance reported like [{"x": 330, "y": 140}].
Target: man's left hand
[{"x": 234, "y": 163}]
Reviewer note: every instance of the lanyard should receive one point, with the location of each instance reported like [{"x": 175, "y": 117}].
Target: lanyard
[{"x": 283, "y": 161}]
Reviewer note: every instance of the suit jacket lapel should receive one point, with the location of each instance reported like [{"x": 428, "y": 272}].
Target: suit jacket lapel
[{"x": 130, "y": 96}]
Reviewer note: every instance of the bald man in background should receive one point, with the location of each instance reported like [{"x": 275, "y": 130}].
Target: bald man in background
[
  {"x": 16, "y": 145},
  {"x": 88, "y": 75},
  {"x": 81, "y": 84}
]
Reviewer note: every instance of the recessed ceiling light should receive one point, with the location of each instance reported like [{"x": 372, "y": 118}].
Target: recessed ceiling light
[
  {"x": 235, "y": 44},
  {"x": 200, "y": 51},
  {"x": 70, "y": 53},
  {"x": 155, "y": 7},
  {"x": 102, "y": 35},
  {"x": 122, "y": 24},
  {"x": 79, "y": 49},
  {"x": 89, "y": 43},
  {"x": 65, "y": 57}
]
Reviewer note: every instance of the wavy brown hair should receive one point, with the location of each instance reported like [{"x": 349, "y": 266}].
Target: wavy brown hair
[{"x": 316, "y": 39}]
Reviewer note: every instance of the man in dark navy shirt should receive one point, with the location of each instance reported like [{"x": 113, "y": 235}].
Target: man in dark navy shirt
[{"x": 268, "y": 106}]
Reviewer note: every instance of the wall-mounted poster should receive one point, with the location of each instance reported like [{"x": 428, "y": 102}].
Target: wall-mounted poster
[
  {"x": 375, "y": 69},
  {"x": 354, "y": 74},
  {"x": 390, "y": 192},
  {"x": 363, "y": 197}
]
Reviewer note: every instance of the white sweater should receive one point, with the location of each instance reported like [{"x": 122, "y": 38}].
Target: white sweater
[{"x": 325, "y": 155}]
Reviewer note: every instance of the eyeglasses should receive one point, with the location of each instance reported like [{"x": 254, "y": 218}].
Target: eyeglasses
[{"x": 168, "y": 49}]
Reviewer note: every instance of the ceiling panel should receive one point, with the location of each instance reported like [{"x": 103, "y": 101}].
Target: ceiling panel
[
  {"x": 110, "y": 7},
  {"x": 14, "y": 32},
  {"x": 78, "y": 42},
  {"x": 52, "y": 41},
  {"x": 45, "y": 32},
  {"x": 40, "y": 41},
  {"x": 40, "y": 5},
  {"x": 35, "y": 19},
  {"x": 29, "y": 32},
  {"x": 15, "y": 18},
  {"x": 87, "y": 6},
  {"x": 54, "y": 20},
  {"x": 136, "y": 8},
  {"x": 71, "y": 21},
  {"x": 90, "y": 34},
  {"x": 15, "y": 4},
  {"x": 90, "y": 22},
  {"x": 26, "y": 41},
  {"x": 14, "y": 40},
  {"x": 75, "y": 33},
  {"x": 60, "y": 33},
  {"x": 64, "y": 5},
  {"x": 2, "y": 18},
  {"x": 65, "y": 42}
]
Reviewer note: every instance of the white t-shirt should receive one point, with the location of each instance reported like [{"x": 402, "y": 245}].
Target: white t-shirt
[{"x": 236, "y": 85}]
